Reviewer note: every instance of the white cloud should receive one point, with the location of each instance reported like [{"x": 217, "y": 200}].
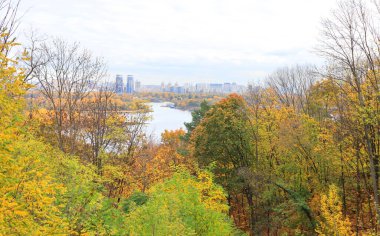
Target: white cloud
[{"x": 188, "y": 39}]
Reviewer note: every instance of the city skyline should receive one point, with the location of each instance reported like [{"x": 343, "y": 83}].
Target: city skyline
[
  {"x": 130, "y": 85},
  {"x": 111, "y": 78}
]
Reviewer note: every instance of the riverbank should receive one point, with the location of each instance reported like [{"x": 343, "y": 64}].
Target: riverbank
[
  {"x": 166, "y": 118},
  {"x": 185, "y": 102}
]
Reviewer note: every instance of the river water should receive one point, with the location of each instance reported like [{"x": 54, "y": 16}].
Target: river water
[{"x": 165, "y": 118}]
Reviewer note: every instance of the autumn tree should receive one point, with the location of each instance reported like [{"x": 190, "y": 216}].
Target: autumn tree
[
  {"x": 66, "y": 76},
  {"x": 291, "y": 85},
  {"x": 223, "y": 139},
  {"x": 99, "y": 123},
  {"x": 9, "y": 22},
  {"x": 333, "y": 222},
  {"x": 197, "y": 117},
  {"x": 27, "y": 194},
  {"x": 349, "y": 41},
  {"x": 129, "y": 148},
  {"x": 182, "y": 205}
]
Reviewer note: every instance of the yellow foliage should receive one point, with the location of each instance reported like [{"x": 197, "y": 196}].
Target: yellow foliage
[
  {"x": 333, "y": 222},
  {"x": 27, "y": 188},
  {"x": 213, "y": 196}
]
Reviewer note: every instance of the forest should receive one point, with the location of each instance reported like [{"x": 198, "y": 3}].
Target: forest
[{"x": 296, "y": 155}]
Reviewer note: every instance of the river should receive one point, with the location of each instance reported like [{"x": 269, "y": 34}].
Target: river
[{"x": 165, "y": 118}]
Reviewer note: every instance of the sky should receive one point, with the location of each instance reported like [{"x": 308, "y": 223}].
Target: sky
[{"x": 186, "y": 41}]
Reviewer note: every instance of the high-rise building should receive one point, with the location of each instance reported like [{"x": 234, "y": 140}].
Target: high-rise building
[
  {"x": 137, "y": 86},
  {"x": 130, "y": 84},
  {"x": 119, "y": 84},
  {"x": 201, "y": 87},
  {"x": 227, "y": 87},
  {"x": 216, "y": 88}
]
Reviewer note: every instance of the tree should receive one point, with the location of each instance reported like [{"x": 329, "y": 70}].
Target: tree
[
  {"x": 42, "y": 190},
  {"x": 26, "y": 187},
  {"x": 223, "y": 139},
  {"x": 196, "y": 119},
  {"x": 66, "y": 76},
  {"x": 159, "y": 162},
  {"x": 333, "y": 223},
  {"x": 182, "y": 205},
  {"x": 127, "y": 151},
  {"x": 100, "y": 120},
  {"x": 291, "y": 86},
  {"x": 8, "y": 24},
  {"x": 349, "y": 41}
]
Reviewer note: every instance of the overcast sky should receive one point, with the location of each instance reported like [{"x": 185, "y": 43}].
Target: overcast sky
[{"x": 186, "y": 40}]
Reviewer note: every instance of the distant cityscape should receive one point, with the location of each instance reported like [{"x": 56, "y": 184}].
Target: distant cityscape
[{"x": 130, "y": 86}]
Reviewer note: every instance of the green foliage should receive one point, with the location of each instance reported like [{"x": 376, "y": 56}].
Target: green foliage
[
  {"x": 45, "y": 192},
  {"x": 136, "y": 199},
  {"x": 175, "y": 207},
  {"x": 86, "y": 208},
  {"x": 223, "y": 137},
  {"x": 197, "y": 117}
]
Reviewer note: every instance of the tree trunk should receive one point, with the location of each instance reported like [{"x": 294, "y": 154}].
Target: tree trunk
[{"x": 249, "y": 195}]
